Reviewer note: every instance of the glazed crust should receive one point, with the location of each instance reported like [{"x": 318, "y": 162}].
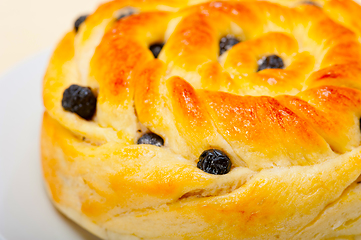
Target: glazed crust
[{"x": 293, "y": 134}]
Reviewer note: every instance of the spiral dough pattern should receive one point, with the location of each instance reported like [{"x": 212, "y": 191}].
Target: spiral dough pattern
[{"x": 292, "y": 134}]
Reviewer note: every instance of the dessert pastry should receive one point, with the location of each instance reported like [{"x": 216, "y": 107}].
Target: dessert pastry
[{"x": 207, "y": 120}]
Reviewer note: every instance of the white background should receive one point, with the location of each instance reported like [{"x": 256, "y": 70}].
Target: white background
[{"x": 28, "y": 26}]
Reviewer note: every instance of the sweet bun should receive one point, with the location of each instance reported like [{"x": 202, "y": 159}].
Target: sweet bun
[{"x": 207, "y": 120}]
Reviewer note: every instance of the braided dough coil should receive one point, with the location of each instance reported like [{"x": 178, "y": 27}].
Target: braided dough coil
[{"x": 293, "y": 134}]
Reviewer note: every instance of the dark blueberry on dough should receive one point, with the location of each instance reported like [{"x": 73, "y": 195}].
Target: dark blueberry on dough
[
  {"x": 79, "y": 100},
  {"x": 214, "y": 161},
  {"x": 272, "y": 61},
  {"x": 227, "y": 43},
  {"x": 156, "y": 48},
  {"x": 311, "y": 3},
  {"x": 152, "y": 139},
  {"x": 126, "y": 14},
  {"x": 79, "y": 21}
]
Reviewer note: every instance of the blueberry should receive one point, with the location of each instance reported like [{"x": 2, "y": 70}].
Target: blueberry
[
  {"x": 152, "y": 139},
  {"x": 214, "y": 161},
  {"x": 227, "y": 43},
  {"x": 272, "y": 61},
  {"x": 79, "y": 21},
  {"x": 79, "y": 100},
  {"x": 126, "y": 14},
  {"x": 311, "y": 3},
  {"x": 156, "y": 48}
]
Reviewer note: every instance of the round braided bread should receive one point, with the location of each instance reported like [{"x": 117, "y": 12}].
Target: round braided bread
[{"x": 292, "y": 135}]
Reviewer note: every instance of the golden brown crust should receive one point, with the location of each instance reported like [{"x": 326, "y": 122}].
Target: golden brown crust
[
  {"x": 172, "y": 191},
  {"x": 292, "y": 134}
]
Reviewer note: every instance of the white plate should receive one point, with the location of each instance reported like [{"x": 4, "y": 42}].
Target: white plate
[{"x": 25, "y": 211}]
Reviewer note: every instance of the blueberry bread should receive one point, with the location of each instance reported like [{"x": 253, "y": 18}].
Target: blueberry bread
[{"x": 207, "y": 120}]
